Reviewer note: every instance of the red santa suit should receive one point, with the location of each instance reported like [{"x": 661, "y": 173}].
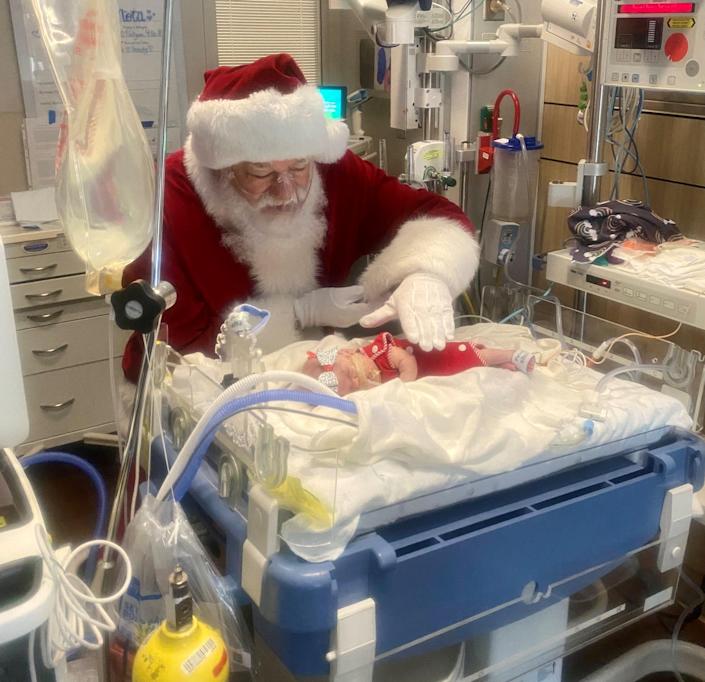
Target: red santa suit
[
  {"x": 264, "y": 112},
  {"x": 454, "y": 358}
]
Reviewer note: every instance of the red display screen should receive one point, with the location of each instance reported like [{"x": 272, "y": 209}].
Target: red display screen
[{"x": 657, "y": 8}]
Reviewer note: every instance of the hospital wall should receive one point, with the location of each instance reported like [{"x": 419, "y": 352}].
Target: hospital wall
[
  {"x": 671, "y": 145},
  {"x": 13, "y": 174}
]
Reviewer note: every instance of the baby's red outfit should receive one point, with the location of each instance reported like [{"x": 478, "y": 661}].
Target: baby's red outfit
[{"x": 454, "y": 358}]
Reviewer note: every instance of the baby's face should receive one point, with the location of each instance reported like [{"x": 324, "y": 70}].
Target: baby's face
[{"x": 353, "y": 369}]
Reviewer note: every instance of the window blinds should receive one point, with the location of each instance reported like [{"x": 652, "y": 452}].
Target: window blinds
[{"x": 249, "y": 29}]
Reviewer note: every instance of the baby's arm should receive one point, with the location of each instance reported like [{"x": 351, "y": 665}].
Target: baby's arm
[{"x": 404, "y": 363}]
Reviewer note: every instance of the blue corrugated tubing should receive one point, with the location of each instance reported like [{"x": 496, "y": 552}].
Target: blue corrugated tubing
[
  {"x": 98, "y": 484},
  {"x": 243, "y": 402}
]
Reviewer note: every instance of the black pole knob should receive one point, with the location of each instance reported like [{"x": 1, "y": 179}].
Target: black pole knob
[{"x": 138, "y": 306}]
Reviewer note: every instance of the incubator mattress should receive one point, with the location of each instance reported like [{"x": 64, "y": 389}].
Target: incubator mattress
[{"x": 452, "y": 434}]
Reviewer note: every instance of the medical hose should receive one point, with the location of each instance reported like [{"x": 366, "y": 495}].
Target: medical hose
[
  {"x": 179, "y": 481},
  {"x": 624, "y": 370},
  {"x": 101, "y": 490}
]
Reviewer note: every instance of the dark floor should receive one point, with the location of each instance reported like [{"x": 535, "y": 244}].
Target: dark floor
[{"x": 68, "y": 502}]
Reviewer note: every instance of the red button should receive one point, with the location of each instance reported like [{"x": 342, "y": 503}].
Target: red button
[{"x": 676, "y": 47}]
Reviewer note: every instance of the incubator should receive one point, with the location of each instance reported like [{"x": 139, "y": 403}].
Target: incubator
[
  {"x": 105, "y": 170},
  {"x": 329, "y": 513}
]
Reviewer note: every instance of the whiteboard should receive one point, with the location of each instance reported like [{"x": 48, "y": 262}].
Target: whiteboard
[{"x": 141, "y": 23}]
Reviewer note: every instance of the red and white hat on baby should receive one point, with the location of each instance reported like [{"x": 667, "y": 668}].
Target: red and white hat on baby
[{"x": 262, "y": 112}]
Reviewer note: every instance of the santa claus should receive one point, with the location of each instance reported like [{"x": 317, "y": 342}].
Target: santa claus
[{"x": 264, "y": 204}]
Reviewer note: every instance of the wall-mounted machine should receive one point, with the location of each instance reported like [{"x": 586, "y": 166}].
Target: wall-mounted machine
[{"x": 655, "y": 45}]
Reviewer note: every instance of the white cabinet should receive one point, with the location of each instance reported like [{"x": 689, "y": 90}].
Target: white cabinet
[{"x": 66, "y": 341}]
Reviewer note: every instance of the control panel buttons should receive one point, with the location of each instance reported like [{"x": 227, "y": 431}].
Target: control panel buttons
[
  {"x": 692, "y": 68},
  {"x": 676, "y": 47}
]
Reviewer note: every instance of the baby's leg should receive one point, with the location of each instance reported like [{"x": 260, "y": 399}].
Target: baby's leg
[
  {"x": 507, "y": 359},
  {"x": 494, "y": 357}
]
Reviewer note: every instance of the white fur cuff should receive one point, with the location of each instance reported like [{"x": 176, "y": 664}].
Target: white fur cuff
[
  {"x": 266, "y": 126},
  {"x": 438, "y": 246}
]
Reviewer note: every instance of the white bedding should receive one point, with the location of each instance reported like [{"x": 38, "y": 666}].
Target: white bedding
[
  {"x": 434, "y": 433},
  {"x": 675, "y": 266}
]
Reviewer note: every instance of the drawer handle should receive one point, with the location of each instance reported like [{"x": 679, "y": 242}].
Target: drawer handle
[
  {"x": 46, "y": 294},
  {"x": 58, "y": 406},
  {"x": 42, "y": 268},
  {"x": 44, "y": 317},
  {"x": 50, "y": 351}
]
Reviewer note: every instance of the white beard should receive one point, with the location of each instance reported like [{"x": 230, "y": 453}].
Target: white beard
[{"x": 282, "y": 251}]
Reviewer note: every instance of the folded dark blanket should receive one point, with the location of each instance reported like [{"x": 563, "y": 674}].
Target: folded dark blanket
[{"x": 599, "y": 230}]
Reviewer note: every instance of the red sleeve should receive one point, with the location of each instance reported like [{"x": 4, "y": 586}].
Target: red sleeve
[
  {"x": 370, "y": 212},
  {"x": 381, "y": 204},
  {"x": 188, "y": 327}
]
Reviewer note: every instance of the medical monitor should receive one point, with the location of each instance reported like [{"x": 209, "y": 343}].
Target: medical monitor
[{"x": 335, "y": 98}]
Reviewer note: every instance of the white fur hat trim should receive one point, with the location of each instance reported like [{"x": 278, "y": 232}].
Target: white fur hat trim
[{"x": 266, "y": 126}]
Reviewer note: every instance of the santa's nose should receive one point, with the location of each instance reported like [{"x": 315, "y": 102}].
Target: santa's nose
[{"x": 283, "y": 188}]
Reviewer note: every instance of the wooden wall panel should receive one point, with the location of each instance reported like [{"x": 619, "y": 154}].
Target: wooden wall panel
[
  {"x": 563, "y": 76},
  {"x": 662, "y": 139},
  {"x": 683, "y": 203}
]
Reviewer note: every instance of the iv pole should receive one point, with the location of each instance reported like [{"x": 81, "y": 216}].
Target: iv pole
[
  {"x": 132, "y": 446},
  {"x": 595, "y": 166}
]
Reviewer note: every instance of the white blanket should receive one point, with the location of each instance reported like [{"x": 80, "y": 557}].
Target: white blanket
[
  {"x": 674, "y": 266},
  {"x": 423, "y": 436}
]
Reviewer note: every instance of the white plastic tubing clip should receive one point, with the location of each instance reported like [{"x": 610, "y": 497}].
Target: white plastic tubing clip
[{"x": 262, "y": 541}]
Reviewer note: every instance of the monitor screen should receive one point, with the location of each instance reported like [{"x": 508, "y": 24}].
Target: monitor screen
[{"x": 335, "y": 98}]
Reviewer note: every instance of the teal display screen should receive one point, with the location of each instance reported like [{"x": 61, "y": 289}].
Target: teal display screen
[{"x": 335, "y": 98}]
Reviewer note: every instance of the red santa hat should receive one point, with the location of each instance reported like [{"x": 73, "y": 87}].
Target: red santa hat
[{"x": 262, "y": 112}]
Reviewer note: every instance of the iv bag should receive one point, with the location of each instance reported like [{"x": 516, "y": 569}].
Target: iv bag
[{"x": 104, "y": 166}]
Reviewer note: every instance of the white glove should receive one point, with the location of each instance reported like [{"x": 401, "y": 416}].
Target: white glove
[
  {"x": 424, "y": 306},
  {"x": 331, "y": 307}
]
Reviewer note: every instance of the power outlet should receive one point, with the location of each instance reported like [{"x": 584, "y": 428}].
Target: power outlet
[{"x": 493, "y": 10}]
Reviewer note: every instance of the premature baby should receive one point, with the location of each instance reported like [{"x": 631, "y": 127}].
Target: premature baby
[{"x": 386, "y": 357}]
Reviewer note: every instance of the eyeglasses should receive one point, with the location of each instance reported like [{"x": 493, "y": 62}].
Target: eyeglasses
[{"x": 258, "y": 178}]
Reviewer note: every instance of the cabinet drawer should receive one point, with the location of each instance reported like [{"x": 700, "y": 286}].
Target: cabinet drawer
[
  {"x": 68, "y": 400},
  {"x": 32, "y": 294},
  {"x": 35, "y": 244},
  {"x": 43, "y": 266},
  {"x": 68, "y": 344},
  {"x": 55, "y": 314}
]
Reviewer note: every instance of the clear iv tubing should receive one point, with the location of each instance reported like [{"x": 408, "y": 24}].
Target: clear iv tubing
[
  {"x": 240, "y": 404},
  {"x": 624, "y": 370},
  {"x": 225, "y": 397}
]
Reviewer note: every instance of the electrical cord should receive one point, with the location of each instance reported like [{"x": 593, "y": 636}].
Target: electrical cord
[
  {"x": 478, "y": 277},
  {"x": 679, "y": 624},
  {"x": 48, "y": 457},
  {"x": 78, "y": 618},
  {"x": 626, "y": 106}
]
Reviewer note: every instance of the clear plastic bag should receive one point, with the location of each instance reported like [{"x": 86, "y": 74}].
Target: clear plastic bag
[
  {"x": 160, "y": 537},
  {"x": 105, "y": 170}
]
